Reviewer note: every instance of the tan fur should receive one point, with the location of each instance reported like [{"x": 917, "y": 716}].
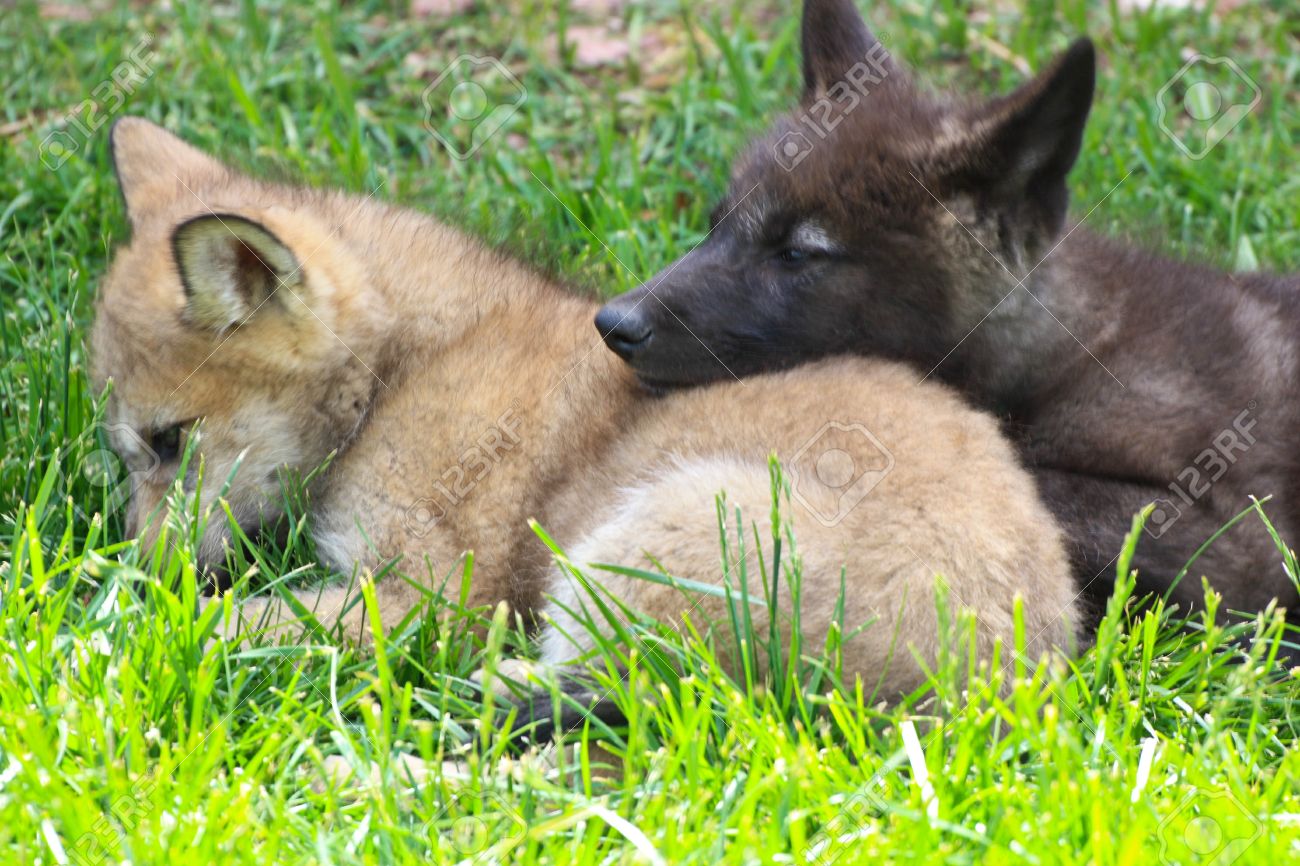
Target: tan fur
[{"x": 403, "y": 342}]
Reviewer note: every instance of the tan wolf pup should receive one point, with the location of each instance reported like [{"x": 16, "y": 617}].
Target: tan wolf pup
[{"x": 464, "y": 394}]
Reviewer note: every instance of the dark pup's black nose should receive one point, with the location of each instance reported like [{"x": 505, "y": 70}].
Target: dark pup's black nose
[{"x": 627, "y": 333}]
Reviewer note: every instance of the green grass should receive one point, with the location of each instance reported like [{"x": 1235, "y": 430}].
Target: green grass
[{"x": 129, "y": 733}]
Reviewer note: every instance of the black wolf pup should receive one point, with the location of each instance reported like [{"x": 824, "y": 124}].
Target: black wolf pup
[{"x": 878, "y": 219}]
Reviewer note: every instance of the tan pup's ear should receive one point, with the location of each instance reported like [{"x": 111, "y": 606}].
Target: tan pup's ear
[
  {"x": 153, "y": 166},
  {"x": 230, "y": 266}
]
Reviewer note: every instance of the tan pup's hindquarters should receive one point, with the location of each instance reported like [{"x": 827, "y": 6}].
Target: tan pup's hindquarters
[
  {"x": 297, "y": 323},
  {"x": 954, "y": 503}
]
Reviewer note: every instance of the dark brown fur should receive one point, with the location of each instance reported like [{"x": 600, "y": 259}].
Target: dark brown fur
[{"x": 926, "y": 213}]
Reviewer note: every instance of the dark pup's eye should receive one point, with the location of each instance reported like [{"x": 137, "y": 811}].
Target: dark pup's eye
[
  {"x": 792, "y": 256},
  {"x": 167, "y": 443}
]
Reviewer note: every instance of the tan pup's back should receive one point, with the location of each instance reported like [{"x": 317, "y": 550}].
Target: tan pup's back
[{"x": 941, "y": 494}]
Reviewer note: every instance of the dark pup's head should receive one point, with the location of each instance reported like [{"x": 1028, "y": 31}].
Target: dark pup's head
[{"x": 863, "y": 221}]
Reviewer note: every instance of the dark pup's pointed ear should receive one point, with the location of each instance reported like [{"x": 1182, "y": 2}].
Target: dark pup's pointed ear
[
  {"x": 230, "y": 266},
  {"x": 153, "y": 166},
  {"x": 1023, "y": 145},
  {"x": 835, "y": 39}
]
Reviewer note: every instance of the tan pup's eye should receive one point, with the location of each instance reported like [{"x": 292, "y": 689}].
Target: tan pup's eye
[{"x": 166, "y": 443}]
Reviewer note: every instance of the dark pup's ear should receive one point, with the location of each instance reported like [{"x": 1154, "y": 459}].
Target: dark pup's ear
[
  {"x": 154, "y": 167},
  {"x": 230, "y": 266},
  {"x": 835, "y": 40},
  {"x": 1022, "y": 146}
]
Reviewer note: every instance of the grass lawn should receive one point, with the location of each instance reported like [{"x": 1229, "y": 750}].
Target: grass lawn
[{"x": 129, "y": 734}]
